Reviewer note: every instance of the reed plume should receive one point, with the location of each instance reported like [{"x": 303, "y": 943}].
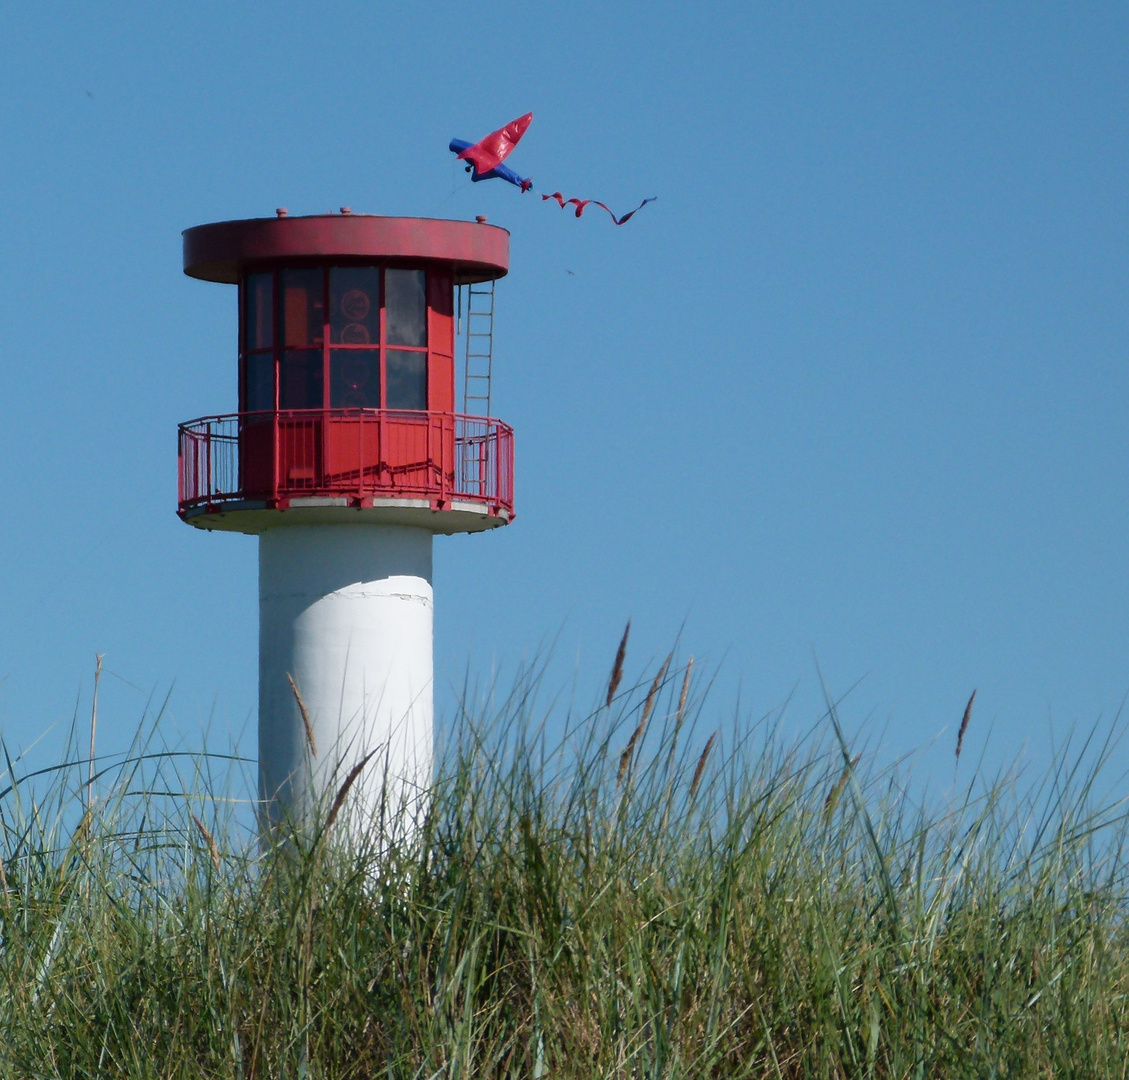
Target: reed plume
[
  {"x": 342, "y": 791},
  {"x": 617, "y": 667},
  {"x": 964, "y": 723},
  {"x": 701, "y": 767},
  {"x": 210, "y": 840},
  {"x": 305, "y": 715},
  {"x": 648, "y": 706},
  {"x": 836, "y": 791}
]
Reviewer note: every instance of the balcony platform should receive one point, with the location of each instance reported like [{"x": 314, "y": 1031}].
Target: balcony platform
[
  {"x": 248, "y": 472},
  {"x": 255, "y": 516}
]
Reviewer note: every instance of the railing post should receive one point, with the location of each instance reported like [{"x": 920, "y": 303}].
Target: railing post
[
  {"x": 482, "y": 451},
  {"x": 444, "y": 488},
  {"x": 361, "y": 454},
  {"x": 208, "y": 463}
]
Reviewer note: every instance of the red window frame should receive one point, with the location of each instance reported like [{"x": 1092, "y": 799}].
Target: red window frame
[{"x": 278, "y": 345}]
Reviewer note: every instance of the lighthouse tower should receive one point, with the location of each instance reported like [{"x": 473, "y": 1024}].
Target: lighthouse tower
[{"x": 345, "y": 457}]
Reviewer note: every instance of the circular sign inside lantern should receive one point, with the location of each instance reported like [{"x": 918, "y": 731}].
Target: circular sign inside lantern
[
  {"x": 354, "y": 333},
  {"x": 355, "y": 304}
]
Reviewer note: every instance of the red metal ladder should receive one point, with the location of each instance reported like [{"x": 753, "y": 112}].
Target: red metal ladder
[
  {"x": 478, "y": 364},
  {"x": 477, "y": 369}
]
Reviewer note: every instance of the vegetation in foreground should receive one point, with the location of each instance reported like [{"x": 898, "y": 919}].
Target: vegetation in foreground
[{"x": 652, "y": 899}]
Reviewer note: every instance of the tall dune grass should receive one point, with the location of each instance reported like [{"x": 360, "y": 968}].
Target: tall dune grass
[{"x": 656, "y": 896}]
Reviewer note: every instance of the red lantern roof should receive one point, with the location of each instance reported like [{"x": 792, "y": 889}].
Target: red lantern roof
[{"x": 474, "y": 251}]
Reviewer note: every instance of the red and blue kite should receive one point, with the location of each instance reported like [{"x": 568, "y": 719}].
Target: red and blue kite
[{"x": 485, "y": 158}]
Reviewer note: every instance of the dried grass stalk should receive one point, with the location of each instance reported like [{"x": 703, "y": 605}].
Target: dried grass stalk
[
  {"x": 836, "y": 791},
  {"x": 682, "y": 697},
  {"x": 339, "y": 800},
  {"x": 964, "y": 723},
  {"x": 673, "y": 751},
  {"x": 210, "y": 840},
  {"x": 305, "y": 715},
  {"x": 701, "y": 767},
  {"x": 93, "y": 729},
  {"x": 82, "y": 832},
  {"x": 617, "y": 667},
  {"x": 648, "y": 707}
]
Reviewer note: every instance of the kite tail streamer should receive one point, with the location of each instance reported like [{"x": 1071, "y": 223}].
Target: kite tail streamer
[
  {"x": 627, "y": 217},
  {"x": 563, "y": 202},
  {"x": 580, "y": 204}
]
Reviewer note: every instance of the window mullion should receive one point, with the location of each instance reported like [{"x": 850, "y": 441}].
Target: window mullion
[{"x": 383, "y": 331}]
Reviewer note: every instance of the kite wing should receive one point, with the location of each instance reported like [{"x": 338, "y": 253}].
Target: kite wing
[
  {"x": 499, "y": 172},
  {"x": 487, "y": 154}
]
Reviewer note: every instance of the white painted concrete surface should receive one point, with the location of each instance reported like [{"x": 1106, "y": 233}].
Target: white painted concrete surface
[{"x": 346, "y": 610}]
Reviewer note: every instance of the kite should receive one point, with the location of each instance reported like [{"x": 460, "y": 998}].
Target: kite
[
  {"x": 484, "y": 162},
  {"x": 499, "y": 172}
]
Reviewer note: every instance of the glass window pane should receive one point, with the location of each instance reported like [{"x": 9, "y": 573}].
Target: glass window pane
[
  {"x": 354, "y": 378},
  {"x": 258, "y": 311},
  {"x": 303, "y": 307},
  {"x": 407, "y": 379},
  {"x": 300, "y": 380},
  {"x": 354, "y": 305},
  {"x": 405, "y": 303},
  {"x": 259, "y": 385}
]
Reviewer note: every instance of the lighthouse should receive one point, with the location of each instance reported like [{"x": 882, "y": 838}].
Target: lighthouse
[{"x": 348, "y": 453}]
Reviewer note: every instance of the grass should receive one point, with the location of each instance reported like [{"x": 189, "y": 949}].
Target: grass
[{"x": 652, "y": 898}]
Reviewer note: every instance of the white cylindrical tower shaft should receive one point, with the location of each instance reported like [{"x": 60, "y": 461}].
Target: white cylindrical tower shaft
[{"x": 346, "y": 610}]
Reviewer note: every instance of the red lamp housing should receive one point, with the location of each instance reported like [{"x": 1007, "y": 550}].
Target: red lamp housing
[{"x": 347, "y": 377}]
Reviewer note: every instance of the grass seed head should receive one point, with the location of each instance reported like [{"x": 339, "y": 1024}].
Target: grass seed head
[
  {"x": 617, "y": 667},
  {"x": 342, "y": 791},
  {"x": 964, "y": 723},
  {"x": 836, "y": 791},
  {"x": 305, "y": 715},
  {"x": 685, "y": 693},
  {"x": 648, "y": 706},
  {"x": 210, "y": 840},
  {"x": 701, "y": 766}
]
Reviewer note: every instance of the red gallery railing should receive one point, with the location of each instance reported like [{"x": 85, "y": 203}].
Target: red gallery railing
[{"x": 358, "y": 454}]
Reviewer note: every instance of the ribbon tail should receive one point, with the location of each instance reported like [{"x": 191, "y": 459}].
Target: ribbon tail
[
  {"x": 580, "y": 204},
  {"x": 628, "y": 216}
]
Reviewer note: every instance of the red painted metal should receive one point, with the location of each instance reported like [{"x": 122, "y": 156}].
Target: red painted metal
[
  {"x": 488, "y": 153},
  {"x": 270, "y": 458},
  {"x": 223, "y": 250}
]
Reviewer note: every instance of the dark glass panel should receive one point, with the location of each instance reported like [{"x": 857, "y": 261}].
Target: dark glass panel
[
  {"x": 354, "y": 378},
  {"x": 259, "y": 385},
  {"x": 303, "y": 307},
  {"x": 405, "y": 305},
  {"x": 258, "y": 312},
  {"x": 354, "y": 305},
  {"x": 300, "y": 380},
  {"x": 407, "y": 379}
]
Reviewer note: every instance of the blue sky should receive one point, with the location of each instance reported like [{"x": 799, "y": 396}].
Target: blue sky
[{"x": 854, "y": 389}]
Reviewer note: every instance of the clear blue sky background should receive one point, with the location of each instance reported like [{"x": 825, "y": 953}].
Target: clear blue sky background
[{"x": 854, "y": 388}]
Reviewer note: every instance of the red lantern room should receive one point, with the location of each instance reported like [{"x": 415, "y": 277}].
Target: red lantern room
[{"x": 348, "y": 327}]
